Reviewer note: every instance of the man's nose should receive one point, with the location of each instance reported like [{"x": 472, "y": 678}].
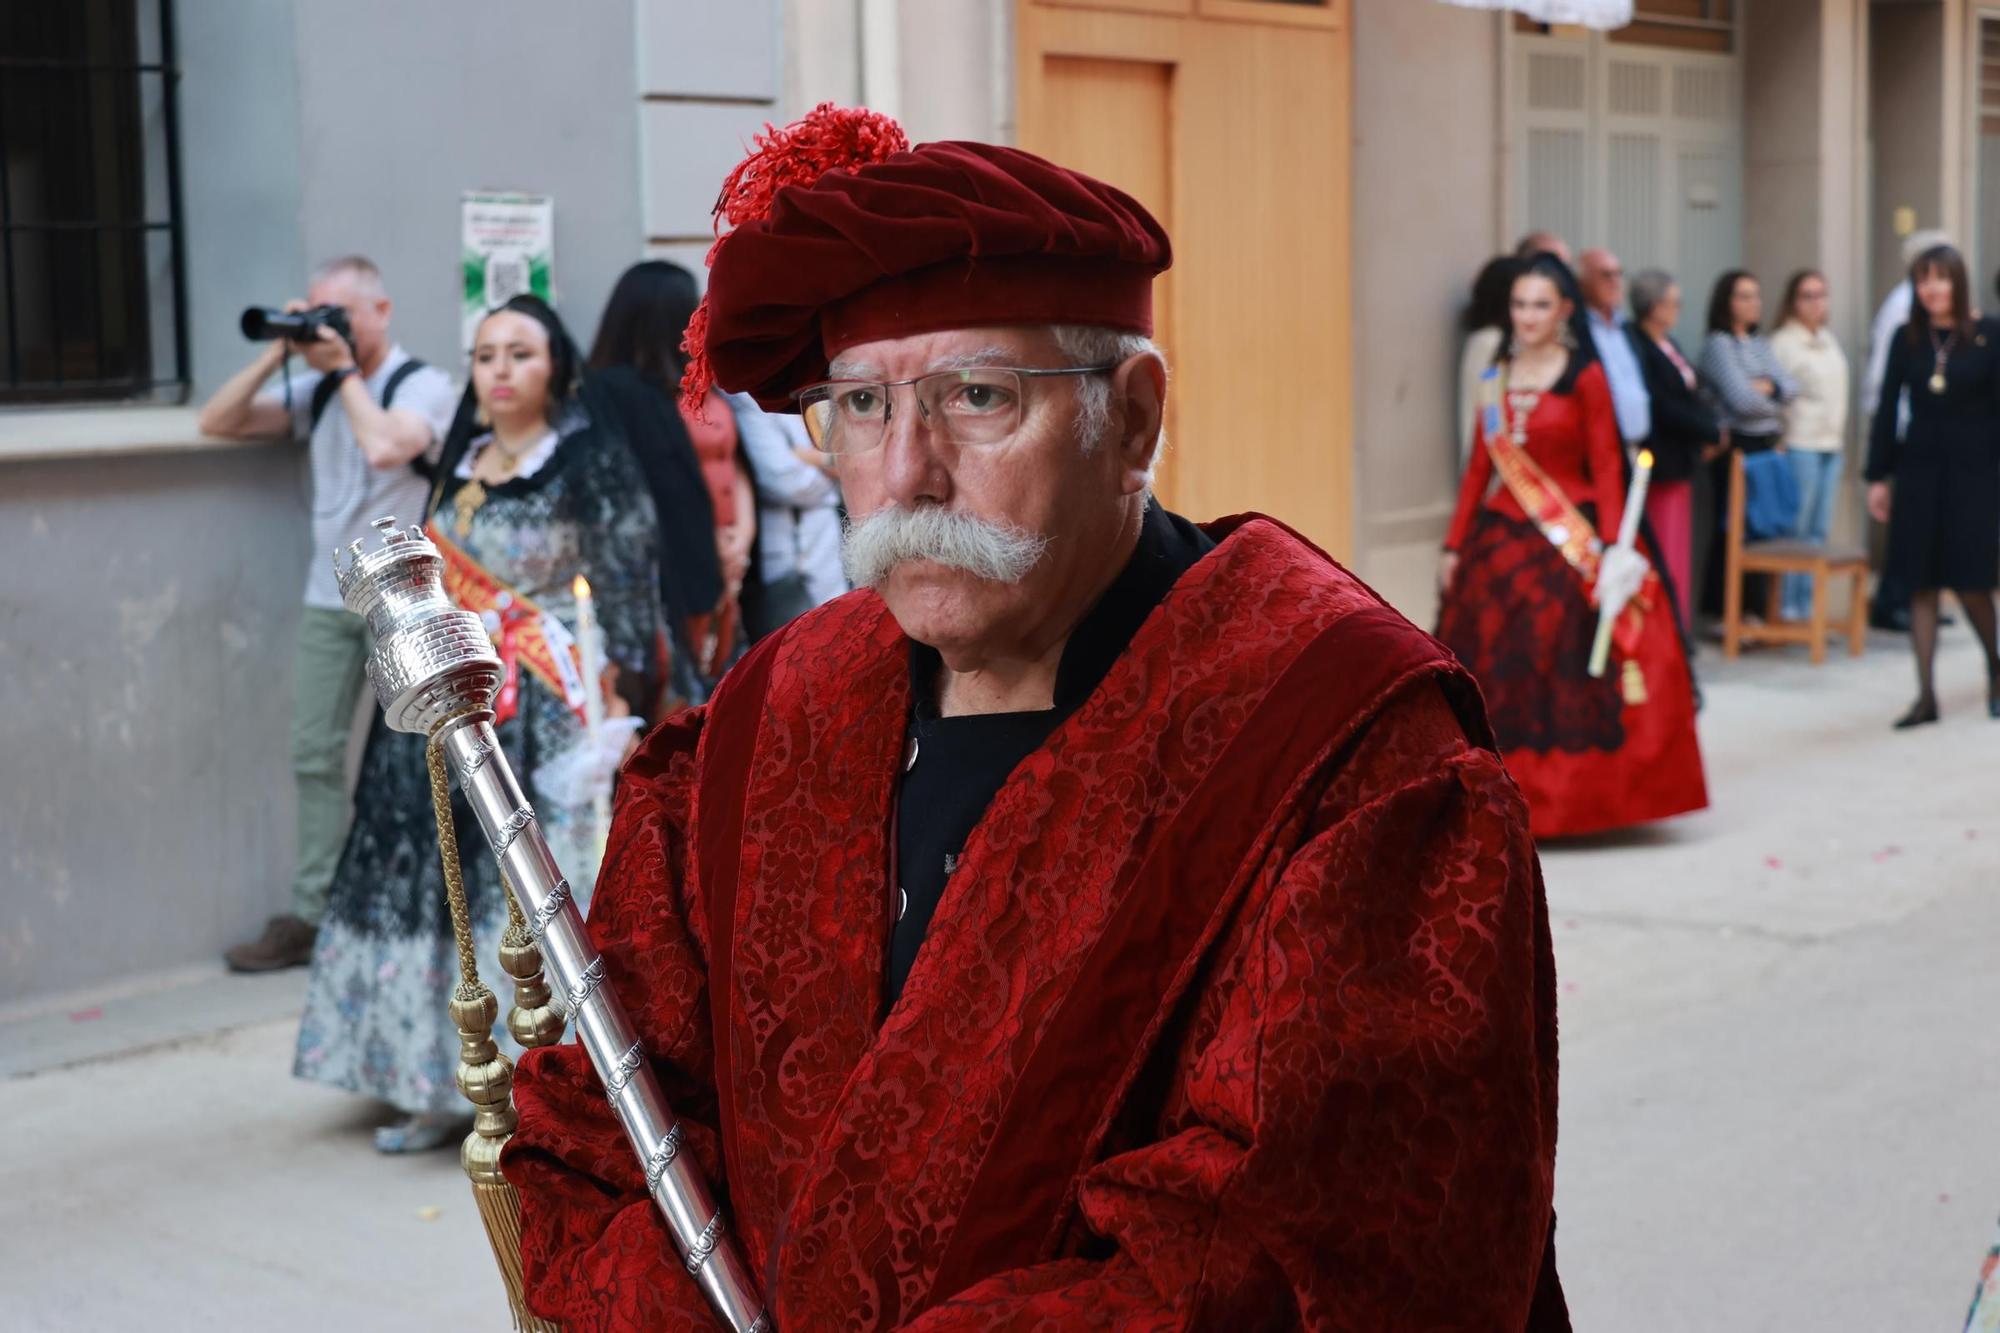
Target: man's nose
[{"x": 913, "y": 466}]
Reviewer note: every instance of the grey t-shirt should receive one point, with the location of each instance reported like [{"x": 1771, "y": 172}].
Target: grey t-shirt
[{"x": 348, "y": 494}]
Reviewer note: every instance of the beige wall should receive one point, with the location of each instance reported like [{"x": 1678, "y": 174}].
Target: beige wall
[
  {"x": 1804, "y": 126},
  {"x": 1783, "y": 162},
  {"x": 944, "y": 68},
  {"x": 1426, "y": 188},
  {"x": 1906, "y": 110},
  {"x": 957, "y": 69}
]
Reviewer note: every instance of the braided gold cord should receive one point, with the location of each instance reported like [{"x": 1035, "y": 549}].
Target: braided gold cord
[{"x": 454, "y": 878}]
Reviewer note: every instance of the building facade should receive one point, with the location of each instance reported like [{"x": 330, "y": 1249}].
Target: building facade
[{"x": 1333, "y": 172}]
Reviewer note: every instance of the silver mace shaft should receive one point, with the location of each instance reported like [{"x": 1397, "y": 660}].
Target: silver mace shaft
[{"x": 434, "y": 670}]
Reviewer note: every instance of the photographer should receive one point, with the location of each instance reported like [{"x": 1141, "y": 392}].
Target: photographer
[{"x": 372, "y": 417}]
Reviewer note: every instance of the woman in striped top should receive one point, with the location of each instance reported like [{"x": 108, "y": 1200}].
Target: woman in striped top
[{"x": 1741, "y": 376}]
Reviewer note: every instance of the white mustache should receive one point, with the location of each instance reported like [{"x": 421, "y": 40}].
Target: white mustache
[{"x": 888, "y": 537}]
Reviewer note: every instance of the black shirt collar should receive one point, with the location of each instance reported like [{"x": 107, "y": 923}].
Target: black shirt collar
[{"x": 1168, "y": 547}]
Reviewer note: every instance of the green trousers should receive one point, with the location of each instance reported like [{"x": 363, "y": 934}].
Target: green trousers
[{"x": 327, "y": 672}]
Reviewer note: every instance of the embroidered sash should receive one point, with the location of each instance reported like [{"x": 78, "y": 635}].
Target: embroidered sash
[
  {"x": 1557, "y": 517},
  {"x": 525, "y": 634}
]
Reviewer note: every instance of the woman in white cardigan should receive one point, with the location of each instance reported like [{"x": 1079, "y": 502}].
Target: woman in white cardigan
[{"x": 1815, "y": 420}]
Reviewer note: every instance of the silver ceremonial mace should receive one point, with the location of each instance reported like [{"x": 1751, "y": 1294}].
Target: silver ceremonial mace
[{"x": 433, "y": 664}]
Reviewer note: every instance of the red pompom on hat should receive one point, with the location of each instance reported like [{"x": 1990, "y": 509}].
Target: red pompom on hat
[{"x": 841, "y": 237}]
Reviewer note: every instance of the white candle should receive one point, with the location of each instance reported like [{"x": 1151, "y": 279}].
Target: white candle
[
  {"x": 592, "y": 652},
  {"x": 1628, "y": 536},
  {"x": 1635, "y": 499},
  {"x": 591, "y": 649}
]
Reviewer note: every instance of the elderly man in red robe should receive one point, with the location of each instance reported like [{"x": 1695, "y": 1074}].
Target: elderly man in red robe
[{"x": 1098, "y": 920}]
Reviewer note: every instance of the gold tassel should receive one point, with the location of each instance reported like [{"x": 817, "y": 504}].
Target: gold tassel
[
  {"x": 1634, "y": 681},
  {"x": 485, "y": 1076},
  {"x": 534, "y": 1020}
]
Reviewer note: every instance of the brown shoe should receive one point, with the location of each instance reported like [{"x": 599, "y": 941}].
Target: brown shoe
[{"x": 287, "y": 941}]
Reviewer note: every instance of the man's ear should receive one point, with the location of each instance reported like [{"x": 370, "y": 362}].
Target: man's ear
[{"x": 1139, "y": 403}]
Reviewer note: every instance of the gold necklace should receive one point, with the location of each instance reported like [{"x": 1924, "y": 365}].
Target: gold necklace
[
  {"x": 474, "y": 493},
  {"x": 1940, "y": 355}
]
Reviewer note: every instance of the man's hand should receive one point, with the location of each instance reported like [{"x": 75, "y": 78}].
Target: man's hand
[
  {"x": 235, "y": 412},
  {"x": 327, "y": 353},
  {"x": 1878, "y": 501},
  {"x": 733, "y": 547},
  {"x": 1447, "y": 570},
  {"x": 1765, "y": 385}
]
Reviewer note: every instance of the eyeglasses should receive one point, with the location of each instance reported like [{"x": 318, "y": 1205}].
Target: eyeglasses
[{"x": 974, "y": 406}]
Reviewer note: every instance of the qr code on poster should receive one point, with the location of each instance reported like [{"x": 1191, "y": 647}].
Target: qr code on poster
[{"x": 506, "y": 278}]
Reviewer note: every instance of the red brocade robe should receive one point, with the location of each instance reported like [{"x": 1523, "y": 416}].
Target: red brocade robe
[{"x": 1238, "y": 1011}]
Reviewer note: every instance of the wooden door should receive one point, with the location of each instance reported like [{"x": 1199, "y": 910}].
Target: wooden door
[{"x": 1229, "y": 119}]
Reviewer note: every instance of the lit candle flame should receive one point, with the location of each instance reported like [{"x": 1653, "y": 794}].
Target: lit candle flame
[
  {"x": 580, "y": 586},
  {"x": 1645, "y": 459}
]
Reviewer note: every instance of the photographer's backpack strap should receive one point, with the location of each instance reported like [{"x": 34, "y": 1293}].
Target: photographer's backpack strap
[{"x": 328, "y": 386}]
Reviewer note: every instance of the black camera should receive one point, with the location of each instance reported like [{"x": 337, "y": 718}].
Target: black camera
[{"x": 262, "y": 323}]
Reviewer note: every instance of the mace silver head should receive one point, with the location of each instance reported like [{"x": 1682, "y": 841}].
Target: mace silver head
[{"x": 430, "y": 660}]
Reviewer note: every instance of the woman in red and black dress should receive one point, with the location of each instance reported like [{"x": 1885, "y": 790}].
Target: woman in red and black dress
[{"x": 1517, "y": 576}]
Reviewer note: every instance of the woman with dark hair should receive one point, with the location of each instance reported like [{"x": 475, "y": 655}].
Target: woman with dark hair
[
  {"x": 1749, "y": 388},
  {"x": 1484, "y": 320},
  {"x": 537, "y": 491},
  {"x": 1520, "y": 576},
  {"x": 638, "y": 351},
  {"x": 1939, "y": 488}
]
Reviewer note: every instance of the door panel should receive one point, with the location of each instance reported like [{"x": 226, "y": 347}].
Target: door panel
[
  {"x": 1236, "y": 133},
  {"x": 1114, "y": 119},
  {"x": 1637, "y": 148}
]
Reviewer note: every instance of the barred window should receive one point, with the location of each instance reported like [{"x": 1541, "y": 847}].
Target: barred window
[{"x": 91, "y": 266}]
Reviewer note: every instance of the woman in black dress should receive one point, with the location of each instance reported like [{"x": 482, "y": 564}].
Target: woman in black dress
[{"x": 1939, "y": 489}]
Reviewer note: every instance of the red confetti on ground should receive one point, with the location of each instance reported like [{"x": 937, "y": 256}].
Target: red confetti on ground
[
  {"x": 1774, "y": 863},
  {"x": 1569, "y": 988},
  {"x": 1887, "y": 852},
  {"x": 1944, "y": 1198},
  {"x": 1971, "y": 833},
  {"x": 86, "y": 1015},
  {"x": 1570, "y": 924}
]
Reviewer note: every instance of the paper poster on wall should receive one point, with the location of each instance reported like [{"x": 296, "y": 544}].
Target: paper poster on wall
[{"x": 509, "y": 247}]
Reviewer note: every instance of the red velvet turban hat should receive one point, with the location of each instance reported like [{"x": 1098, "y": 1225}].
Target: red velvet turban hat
[{"x": 844, "y": 235}]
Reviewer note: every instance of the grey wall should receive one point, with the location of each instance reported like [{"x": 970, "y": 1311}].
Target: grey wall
[
  {"x": 1426, "y": 191},
  {"x": 404, "y": 106},
  {"x": 310, "y": 130},
  {"x": 708, "y": 81},
  {"x": 146, "y": 622},
  {"x": 240, "y": 184}
]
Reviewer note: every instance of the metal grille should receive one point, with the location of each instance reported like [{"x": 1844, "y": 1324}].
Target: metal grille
[
  {"x": 92, "y": 271},
  {"x": 1555, "y": 81},
  {"x": 1634, "y": 88}
]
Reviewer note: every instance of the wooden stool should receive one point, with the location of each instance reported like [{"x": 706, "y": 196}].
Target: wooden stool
[{"x": 1786, "y": 555}]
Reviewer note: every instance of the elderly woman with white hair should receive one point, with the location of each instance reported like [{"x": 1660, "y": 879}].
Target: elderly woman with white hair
[{"x": 1685, "y": 431}]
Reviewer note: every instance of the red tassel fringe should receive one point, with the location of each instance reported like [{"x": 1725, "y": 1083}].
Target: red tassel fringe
[{"x": 827, "y": 138}]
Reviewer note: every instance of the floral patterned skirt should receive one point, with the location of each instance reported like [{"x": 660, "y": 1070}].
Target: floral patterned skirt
[{"x": 386, "y": 962}]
